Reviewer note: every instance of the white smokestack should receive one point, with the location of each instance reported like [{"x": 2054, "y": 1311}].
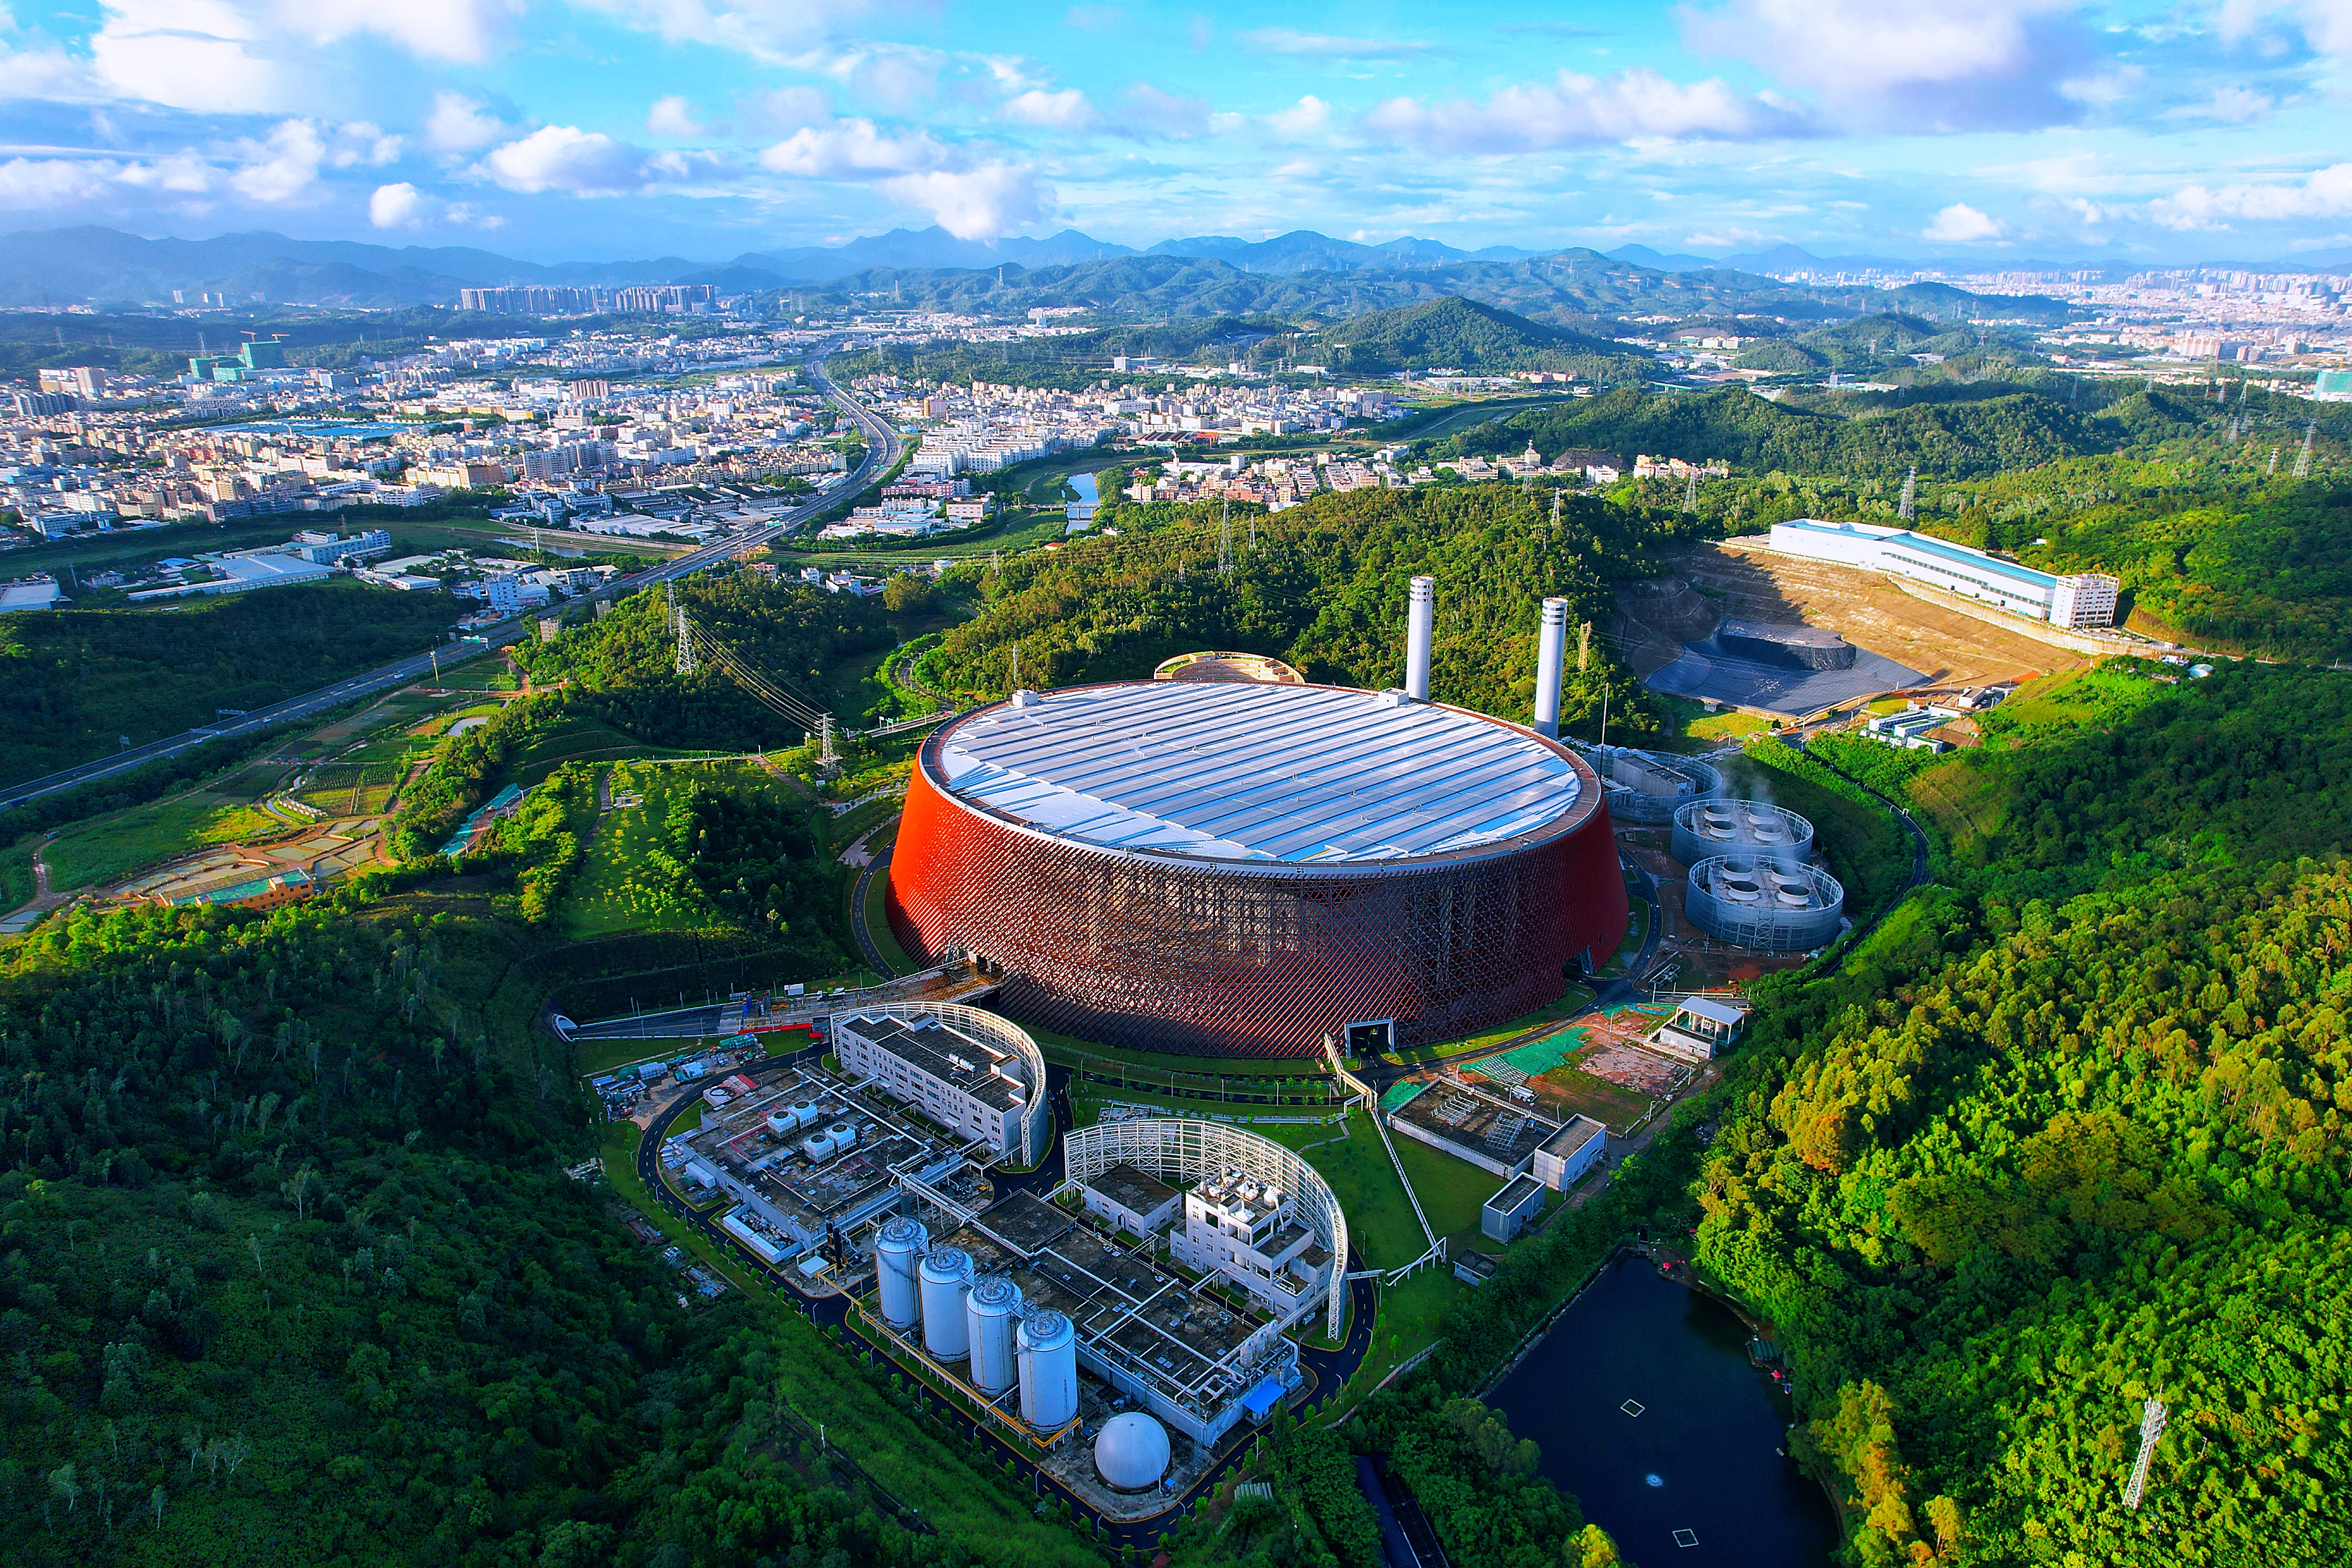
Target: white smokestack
[
  {"x": 1551, "y": 651},
  {"x": 1420, "y": 624}
]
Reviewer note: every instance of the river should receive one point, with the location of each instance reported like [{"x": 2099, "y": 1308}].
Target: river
[
  {"x": 1701, "y": 1455},
  {"x": 1082, "y": 510}
]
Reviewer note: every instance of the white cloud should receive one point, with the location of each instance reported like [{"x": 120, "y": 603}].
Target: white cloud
[
  {"x": 980, "y": 203},
  {"x": 396, "y": 206},
  {"x": 432, "y": 30},
  {"x": 2325, "y": 25},
  {"x": 186, "y": 54},
  {"x": 785, "y": 110},
  {"x": 970, "y": 195},
  {"x": 283, "y": 168},
  {"x": 181, "y": 174},
  {"x": 1923, "y": 65},
  {"x": 673, "y": 117},
  {"x": 361, "y": 142},
  {"x": 1065, "y": 110},
  {"x": 1634, "y": 105},
  {"x": 1961, "y": 223},
  {"x": 852, "y": 148},
  {"x": 2326, "y": 193},
  {"x": 1309, "y": 115},
  {"x": 770, "y": 31},
  {"x": 2228, "y": 106},
  {"x": 38, "y": 184},
  {"x": 1149, "y": 110},
  {"x": 566, "y": 158},
  {"x": 461, "y": 124},
  {"x": 1291, "y": 41}
]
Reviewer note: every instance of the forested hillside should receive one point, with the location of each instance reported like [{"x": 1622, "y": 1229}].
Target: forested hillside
[
  {"x": 2068, "y": 1135},
  {"x": 1323, "y": 587},
  {"x": 289, "y": 1272},
  {"x": 74, "y": 682},
  {"x": 1455, "y": 332},
  {"x": 623, "y": 666}
]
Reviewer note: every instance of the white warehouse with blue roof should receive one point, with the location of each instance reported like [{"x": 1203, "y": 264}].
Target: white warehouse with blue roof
[{"x": 2075, "y": 600}]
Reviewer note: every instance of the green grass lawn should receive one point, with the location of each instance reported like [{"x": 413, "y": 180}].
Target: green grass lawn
[
  {"x": 1379, "y": 1218},
  {"x": 1576, "y": 999},
  {"x": 877, "y": 924},
  {"x": 1068, "y": 1049},
  {"x": 1726, "y": 726},
  {"x": 1451, "y": 1191},
  {"x": 104, "y": 847},
  {"x": 578, "y": 738},
  {"x": 618, "y": 887}
]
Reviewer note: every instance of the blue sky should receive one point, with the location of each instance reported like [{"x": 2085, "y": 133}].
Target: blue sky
[{"x": 705, "y": 128}]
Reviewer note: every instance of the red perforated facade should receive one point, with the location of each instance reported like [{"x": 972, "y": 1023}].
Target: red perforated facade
[{"x": 1173, "y": 952}]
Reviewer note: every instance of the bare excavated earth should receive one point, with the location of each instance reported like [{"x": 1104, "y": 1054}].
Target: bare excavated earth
[{"x": 1742, "y": 580}]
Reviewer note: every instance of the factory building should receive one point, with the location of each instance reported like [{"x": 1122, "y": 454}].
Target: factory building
[
  {"x": 2080, "y": 599},
  {"x": 972, "y": 1072},
  {"x": 807, "y": 1157},
  {"x": 1244, "y": 867},
  {"x": 1247, "y": 1231}
]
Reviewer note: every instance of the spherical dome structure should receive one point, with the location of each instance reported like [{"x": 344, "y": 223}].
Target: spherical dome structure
[
  {"x": 1241, "y": 869},
  {"x": 1132, "y": 1452}
]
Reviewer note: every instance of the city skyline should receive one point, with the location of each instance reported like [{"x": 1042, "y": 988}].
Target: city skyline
[{"x": 605, "y": 128}]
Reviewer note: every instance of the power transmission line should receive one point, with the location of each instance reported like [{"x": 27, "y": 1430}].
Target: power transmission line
[
  {"x": 2152, "y": 1420},
  {"x": 1910, "y": 493},
  {"x": 2302, "y": 462}
]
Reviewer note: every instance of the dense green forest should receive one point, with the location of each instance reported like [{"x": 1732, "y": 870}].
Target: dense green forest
[
  {"x": 2067, "y": 1136},
  {"x": 622, "y": 667},
  {"x": 74, "y": 682},
  {"x": 290, "y": 1275},
  {"x": 1460, "y": 333},
  {"x": 1322, "y": 587}
]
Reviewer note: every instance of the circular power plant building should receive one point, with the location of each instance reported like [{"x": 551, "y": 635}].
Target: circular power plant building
[
  {"x": 1132, "y": 1452},
  {"x": 1706, "y": 828},
  {"x": 1754, "y": 901},
  {"x": 1242, "y": 870}
]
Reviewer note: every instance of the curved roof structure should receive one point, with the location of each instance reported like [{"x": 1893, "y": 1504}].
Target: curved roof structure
[
  {"x": 1257, "y": 773},
  {"x": 1132, "y": 1451}
]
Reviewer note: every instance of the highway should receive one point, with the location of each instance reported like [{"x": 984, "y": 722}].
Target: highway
[{"x": 881, "y": 450}]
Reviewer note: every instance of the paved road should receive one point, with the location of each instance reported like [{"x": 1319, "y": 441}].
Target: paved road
[
  {"x": 880, "y": 451},
  {"x": 831, "y": 1313},
  {"x": 858, "y": 893}
]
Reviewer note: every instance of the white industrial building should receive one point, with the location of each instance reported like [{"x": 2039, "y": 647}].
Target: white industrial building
[
  {"x": 2080, "y": 599},
  {"x": 1564, "y": 1157},
  {"x": 1249, "y": 1231},
  {"x": 978, "y": 1075},
  {"x": 1700, "y": 1028}
]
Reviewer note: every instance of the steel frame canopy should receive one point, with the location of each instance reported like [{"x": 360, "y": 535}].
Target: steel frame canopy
[{"x": 1184, "y": 1152}]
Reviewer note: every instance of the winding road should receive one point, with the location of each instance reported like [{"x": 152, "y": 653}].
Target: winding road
[{"x": 880, "y": 452}]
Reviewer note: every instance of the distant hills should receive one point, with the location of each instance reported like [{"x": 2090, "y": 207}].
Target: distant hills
[
  {"x": 1302, "y": 276},
  {"x": 1453, "y": 331}
]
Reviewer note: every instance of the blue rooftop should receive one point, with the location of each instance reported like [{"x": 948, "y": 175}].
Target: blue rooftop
[
  {"x": 1927, "y": 544},
  {"x": 1260, "y": 1401}
]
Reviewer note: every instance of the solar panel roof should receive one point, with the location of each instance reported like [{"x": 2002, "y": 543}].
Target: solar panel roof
[{"x": 1285, "y": 773}]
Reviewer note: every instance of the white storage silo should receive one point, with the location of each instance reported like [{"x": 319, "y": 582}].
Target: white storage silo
[
  {"x": 1132, "y": 1452},
  {"x": 1049, "y": 1370},
  {"x": 898, "y": 1252},
  {"x": 993, "y": 1311},
  {"x": 944, "y": 1276}
]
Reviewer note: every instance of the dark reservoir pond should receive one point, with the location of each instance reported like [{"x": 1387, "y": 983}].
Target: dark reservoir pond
[{"x": 1701, "y": 1455}]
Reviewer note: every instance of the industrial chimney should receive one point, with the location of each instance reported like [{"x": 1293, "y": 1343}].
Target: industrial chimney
[
  {"x": 1551, "y": 651},
  {"x": 1421, "y": 622}
]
